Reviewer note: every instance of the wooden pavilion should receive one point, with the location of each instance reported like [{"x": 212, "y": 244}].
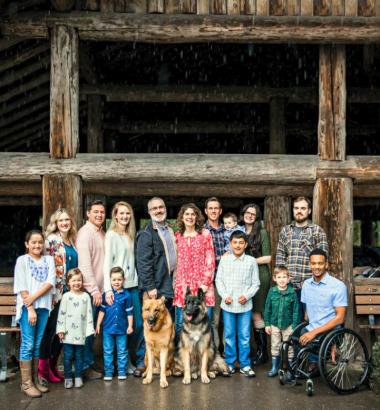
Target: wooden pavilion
[{"x": 38, "y": 36}]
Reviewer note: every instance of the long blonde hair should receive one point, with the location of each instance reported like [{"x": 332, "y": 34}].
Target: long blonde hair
[
  {"x": 131, "y": 227},
  {"x": 53, "y": 228}
]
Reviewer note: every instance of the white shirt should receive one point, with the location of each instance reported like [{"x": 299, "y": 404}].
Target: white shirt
[{"x": 30, "y": 275}]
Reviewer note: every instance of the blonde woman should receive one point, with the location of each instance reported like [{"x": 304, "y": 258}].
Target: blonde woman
[
  {"x": 60, "y": 238},
  {"x": 119, "y": 252}
]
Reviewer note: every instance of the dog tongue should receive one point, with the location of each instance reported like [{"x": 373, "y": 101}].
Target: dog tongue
[{"x": 189, "y": 317}]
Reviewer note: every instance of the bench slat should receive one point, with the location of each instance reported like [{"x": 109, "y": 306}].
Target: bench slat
[
  {"x": 6, "y": 289},
  {"x": 8, "y": 310},
  {"x": 367, "y": 289},
  {"x": 364, "y": 300},
  {"x": 368, "y": 309},
  {"x": 9, "y": 329}
]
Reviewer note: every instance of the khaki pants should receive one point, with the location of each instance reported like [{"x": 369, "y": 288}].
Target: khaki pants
[{"x": 277, "y": 337}]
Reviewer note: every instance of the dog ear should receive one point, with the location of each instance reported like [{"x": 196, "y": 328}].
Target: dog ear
[
  {"x": 145, "y": 296},
  {"x": 162, "y": 299},
  {"x": 201, "y": 294},
  {"x": 188, "y": 292}
]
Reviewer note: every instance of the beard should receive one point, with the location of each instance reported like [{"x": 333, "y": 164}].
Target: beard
[
  {"x": 300, "y": 218},
  {"x": 159, "y": 218}
]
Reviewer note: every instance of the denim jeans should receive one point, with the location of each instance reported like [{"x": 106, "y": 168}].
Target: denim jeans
[
  {"x": 136, "y": 341},
  {"x": 109, "y": 342},
  {"x": 31, "y": 336},
  {"x": 70, "y": 353},
  {"x": 179, "y": 318},
  {"x": 88, "y": 355},
  {"x": 237, "y": 325}
]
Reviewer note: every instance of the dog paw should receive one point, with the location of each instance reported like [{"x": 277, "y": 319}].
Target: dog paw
[
  {"x": 168, "y": 373},
  {"x": 186, "y": 380},
  {"x": 194, "y": 376},
  {"x": 205, "y": 379},
  {"x": 212, "y": 375},
  {"x": 164, "y": 384},
  {"x": 147, "y": 380}
]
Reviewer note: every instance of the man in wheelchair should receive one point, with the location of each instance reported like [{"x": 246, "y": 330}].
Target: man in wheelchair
[{"x": 323, "y": 344}]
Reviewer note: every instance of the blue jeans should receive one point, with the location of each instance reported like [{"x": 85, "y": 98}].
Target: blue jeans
[
  {"x": 70, "y": 353},
  {"x": 31, "y": 336},
  {"x": 237, "y": 325},
  {"x": 88, "y": 355},
  {"x": 136, "y": 345},
  {"x": 109, "y": 342},
  {"x": 179, "y": 318}
]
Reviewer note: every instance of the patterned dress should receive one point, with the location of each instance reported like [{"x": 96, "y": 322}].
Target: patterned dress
[{"x": 195, "y": 266}]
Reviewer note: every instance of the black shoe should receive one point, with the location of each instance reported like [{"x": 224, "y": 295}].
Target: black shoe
[
  {"x": 261, "y": 355},
  {"x": 139, "y": 371}
]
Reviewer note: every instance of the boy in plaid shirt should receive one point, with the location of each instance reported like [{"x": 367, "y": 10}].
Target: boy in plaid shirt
[{"x": 237, "y": 281}]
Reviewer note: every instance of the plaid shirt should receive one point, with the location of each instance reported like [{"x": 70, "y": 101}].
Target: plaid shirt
[
  {"x": 218, "y": 240},
  {"x": 237, "y": 277},
  {"x": 293, "y": 252}
]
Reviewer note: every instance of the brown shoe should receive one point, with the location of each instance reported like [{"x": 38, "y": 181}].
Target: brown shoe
[
  {"x": 37, "y": 381},
  {"x": 91, "y": 374},
  {"x": 139, "y": 371},
  {"x": 27, "y": 385}
]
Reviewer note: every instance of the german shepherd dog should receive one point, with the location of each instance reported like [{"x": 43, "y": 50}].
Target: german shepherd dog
[
  {"x": 196, "y": 353},
  {"x": 159, "y": 338}
]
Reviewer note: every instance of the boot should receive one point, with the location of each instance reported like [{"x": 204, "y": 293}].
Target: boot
[
  {"x": 38, "y": 383},
  {"x": 54, "y": 372},
  {"x": 261, "y": 355},
  {"x": 275, "y": 366},
  {"x": 43, "y": 371},
  {"x": 27, "y": 385}
]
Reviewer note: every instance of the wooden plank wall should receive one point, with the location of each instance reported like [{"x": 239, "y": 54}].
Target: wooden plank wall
[{"x": 352, "y": 8}]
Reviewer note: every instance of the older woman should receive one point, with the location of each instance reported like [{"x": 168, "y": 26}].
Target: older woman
[
  {"x": 196, "y": 260},
  {"x": 259, "y": 248},
  {"x": 60, "y": 238},
  {"x": 119, "y": 251}
]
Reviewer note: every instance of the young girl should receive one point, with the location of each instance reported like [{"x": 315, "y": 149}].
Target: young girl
[
  {"x": 34, "y": 284},
  {"x": 74, "y": 324}
]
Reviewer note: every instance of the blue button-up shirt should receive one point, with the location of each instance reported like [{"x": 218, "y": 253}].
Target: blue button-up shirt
[
  {"x": 217, "y": 239},
  {"x": 115, "y": 318},
  {"x": 321, "y": 299}
]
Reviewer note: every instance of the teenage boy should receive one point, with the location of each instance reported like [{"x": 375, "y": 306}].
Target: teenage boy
[{"x": 237, "y": 282}]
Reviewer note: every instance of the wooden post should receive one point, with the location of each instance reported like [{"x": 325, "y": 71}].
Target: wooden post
[
  {"x": 332, "y": 102},
  {"x": 277, "y": 214},
  {"x": 94, "y": 124},
  {"x": 62, "y": 191},
  {"x": 64, "y": 93},
  {"x": 277, "y": 135},
  {"x": 333, "y": 211}
]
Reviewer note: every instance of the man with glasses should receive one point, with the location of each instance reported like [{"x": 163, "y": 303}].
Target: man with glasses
[{"x": 296, "y": 241}]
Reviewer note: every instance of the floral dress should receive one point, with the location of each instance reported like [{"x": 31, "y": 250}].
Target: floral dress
[{"x": 195, "y": 266}]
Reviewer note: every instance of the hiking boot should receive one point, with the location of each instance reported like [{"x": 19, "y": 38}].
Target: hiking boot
[{"x": 91, "y": 374}]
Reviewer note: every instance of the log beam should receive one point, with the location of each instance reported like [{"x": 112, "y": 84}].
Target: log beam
[
  {"x": 332, "y": 103},
  {"x": 162, "y": 28},
  {"x": 62, "y": 191},
  {"x": 333, "y": 211},
  {"x": 64, "y": 95}
]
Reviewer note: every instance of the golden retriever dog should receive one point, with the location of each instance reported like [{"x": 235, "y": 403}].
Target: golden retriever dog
[{"x": 159, "y": 338}]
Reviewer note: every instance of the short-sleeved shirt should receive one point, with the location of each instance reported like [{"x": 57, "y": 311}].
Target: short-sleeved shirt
[
  {"x": 321, "y": 299},
  {"x": 115, "y": 318}
]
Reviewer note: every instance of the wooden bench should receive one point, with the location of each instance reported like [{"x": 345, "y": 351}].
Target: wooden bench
[
  {"x": 7, "y": 309},
  {"x": 367, "y": 301}
]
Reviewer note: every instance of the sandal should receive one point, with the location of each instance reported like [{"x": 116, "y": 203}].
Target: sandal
[{"x": 248, "y": 371}]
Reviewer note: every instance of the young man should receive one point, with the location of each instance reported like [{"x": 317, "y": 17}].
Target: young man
[
  {"x": 156, "y": 257},
  {"x": 237, "y": 282},
  {"x": 90, "y": 246},
  {"x": 295, "y": 243}
]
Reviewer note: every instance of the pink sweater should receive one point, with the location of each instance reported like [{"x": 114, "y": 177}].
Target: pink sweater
[{"x": 90, "y": 247}]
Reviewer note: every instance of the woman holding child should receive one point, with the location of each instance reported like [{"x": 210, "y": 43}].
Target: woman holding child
[
  {"x": 59, "y": 243},
  {"x": 259, "y": 248},
  {"x": 196, "y": 260}
]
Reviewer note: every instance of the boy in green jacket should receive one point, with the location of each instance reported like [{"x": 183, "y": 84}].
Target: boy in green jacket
[{"x": 281, "y": 315}]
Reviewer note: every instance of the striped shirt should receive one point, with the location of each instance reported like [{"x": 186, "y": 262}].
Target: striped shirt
[
  {"x": 237, "y": 276},
  {"x": 294, "y": 248}
]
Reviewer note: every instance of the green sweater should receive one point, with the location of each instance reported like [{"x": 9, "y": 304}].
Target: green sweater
[{"x": 281, "y": 308}]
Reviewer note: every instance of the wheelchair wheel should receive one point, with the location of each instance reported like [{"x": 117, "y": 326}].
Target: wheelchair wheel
[
  {"x": 309, "y": 387},
  {"x": 343, "y": 361}
]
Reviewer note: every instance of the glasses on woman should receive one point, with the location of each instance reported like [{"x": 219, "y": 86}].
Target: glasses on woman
[{"x": 250, "y": 214}]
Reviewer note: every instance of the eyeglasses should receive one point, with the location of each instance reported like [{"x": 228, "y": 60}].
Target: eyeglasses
[
  {"x": 249, "y": 214},
  {"x": 156, "y": 208}
]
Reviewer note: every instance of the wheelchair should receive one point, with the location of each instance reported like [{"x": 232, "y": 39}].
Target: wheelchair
[{"x": 339, "y": 356}]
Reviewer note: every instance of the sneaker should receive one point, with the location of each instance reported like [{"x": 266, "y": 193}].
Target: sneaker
[
  {"x": 122, "y": 377},
  {"x": 231, "y": 369},
  {"x": 248, "y": 371},
  {"x": 69, "y": 383},
  {"x": 130, "y": 368},
  {"x": 107, "y": 378},
  {"x": 78, "y": 382}
]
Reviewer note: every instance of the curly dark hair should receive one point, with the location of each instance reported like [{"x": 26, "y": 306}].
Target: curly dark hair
[
  {"x": 254, "y": 237},
  {"x": 199, "y": 221}
]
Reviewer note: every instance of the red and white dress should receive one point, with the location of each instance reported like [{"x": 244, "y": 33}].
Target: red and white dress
[{"x": 195, "y": 266}]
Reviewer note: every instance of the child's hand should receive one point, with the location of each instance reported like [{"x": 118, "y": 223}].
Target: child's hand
[
  {"x": 28, "y": 301},
  {"x": 97, "y": 330},
  {"x": 225, "y": 254},
  {"x": 228, "y": 300},
  {"x": 61, "y": 336},
  {"x": 32, "y": 316},
  {"x": 268, "y": 330},
  {"x": 129, "y": 330},
  {"x": 242, "y": 300}
]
